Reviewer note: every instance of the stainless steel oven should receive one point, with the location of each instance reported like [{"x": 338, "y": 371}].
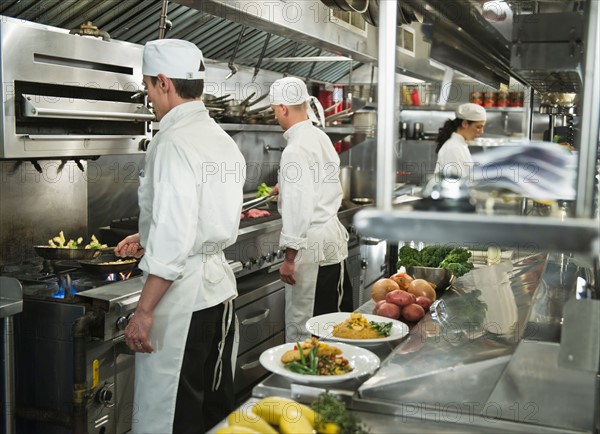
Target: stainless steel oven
[
  {"x": 67, "y": 95},
  {"x": 73, "y": 373}
]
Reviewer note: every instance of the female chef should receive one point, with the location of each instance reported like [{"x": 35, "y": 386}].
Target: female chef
[{"x": 454, "y": 158}]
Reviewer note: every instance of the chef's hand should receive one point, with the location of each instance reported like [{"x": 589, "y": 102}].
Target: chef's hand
[
  {"x": 137, "y": 332},
  {"x": 286, "y": 272},
  {"x": 130, "y": 246}
]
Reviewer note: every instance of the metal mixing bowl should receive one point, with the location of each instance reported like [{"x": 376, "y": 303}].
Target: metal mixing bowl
[{"x": 440, "y": 277}]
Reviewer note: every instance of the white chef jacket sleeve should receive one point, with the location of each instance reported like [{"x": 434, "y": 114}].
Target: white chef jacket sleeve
[
  {"x": 174, "y": 214},
  {"x": 297, "y": 196}
]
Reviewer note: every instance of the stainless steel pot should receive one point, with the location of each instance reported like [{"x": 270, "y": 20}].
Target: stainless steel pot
[
  {"x": 362, "y": 184},
  {"x": 345, "y": 180}
]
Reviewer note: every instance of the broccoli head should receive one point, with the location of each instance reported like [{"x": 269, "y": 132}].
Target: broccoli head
[
  {"x": 432, "y": 256},
  {"x": 458, "y": 269},
  {"x": 409, "y": 257},
  {"x": 458, "y": 254}
]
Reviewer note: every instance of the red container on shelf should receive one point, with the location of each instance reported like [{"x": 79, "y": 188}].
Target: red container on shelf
[
  {"x": 516, "y": 99},
  {"x": 502, "y": 100},
  {"x": 476, "y": 98},
  {"x": 489, "y": 99}
]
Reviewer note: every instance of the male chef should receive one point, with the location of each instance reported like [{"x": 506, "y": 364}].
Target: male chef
[
  {"x": 190, "y": 199},
  {"x": 310, "y": 195}
]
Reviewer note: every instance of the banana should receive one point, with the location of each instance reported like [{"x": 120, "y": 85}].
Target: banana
[
  {"x": 236, "y": 429},
  {"x": 250, "y": 420},
  {"x": 329, "y": 428},
  {"x": 273, "y": 408},
  {"x": 294, "y": 423}
]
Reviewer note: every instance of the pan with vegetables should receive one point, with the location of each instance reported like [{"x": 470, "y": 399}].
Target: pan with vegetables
[
  {"x": 109, "y": 267},
  {"x": 59, "y": 248}
]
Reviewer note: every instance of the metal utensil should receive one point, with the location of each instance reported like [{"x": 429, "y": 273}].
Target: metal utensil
[
  {"x": 58, "y": 253},
  {"x": 254, "y": 203},
  {"x": 440, "y": 277}
]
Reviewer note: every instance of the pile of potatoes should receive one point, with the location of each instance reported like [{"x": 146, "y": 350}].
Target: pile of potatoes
[{"x": 402, "y": 297}]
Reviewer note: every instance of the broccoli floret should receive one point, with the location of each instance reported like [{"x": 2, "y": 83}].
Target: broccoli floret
[
  {"x": 458, "y": 255},
  {"x": 432, "y": 256},
  {"x": 458, "y": 269},
  {"x": 409, "y": 257}
]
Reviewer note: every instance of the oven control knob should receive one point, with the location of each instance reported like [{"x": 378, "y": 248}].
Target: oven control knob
[
  {"x": 261, "y": 261},
  {"x": 279, "y": 254},
  {"x": 105, "y": 396},
  {"x": 122, "y": 323},
  {"x": 249, "y": 264}
]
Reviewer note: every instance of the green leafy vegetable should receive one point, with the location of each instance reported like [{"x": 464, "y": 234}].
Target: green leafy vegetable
[
  {"x": 263, "y": 190},
  {"x": 382, "y": 328},
  {"x": 332, "y": 410},
  {"x": 454, "y": 259}
]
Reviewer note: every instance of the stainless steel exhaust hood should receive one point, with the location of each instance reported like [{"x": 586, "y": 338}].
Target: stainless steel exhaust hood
[{"x": 69, "y": 96}]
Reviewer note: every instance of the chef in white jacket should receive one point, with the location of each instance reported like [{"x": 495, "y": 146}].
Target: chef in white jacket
[
  {"x": 310, "y": 195},
  {"x": 190, "y": 198},
  {"x": 453, "y": 155}
]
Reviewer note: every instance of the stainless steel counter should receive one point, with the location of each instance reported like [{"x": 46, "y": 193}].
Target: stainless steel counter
[{"x": 526, "y": 363}]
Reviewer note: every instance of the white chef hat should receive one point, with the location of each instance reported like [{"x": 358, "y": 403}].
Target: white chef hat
[
  {"x": 471, "y": 112},
  {"x": 293, "y": 91},
  {"x": 174, "y": 58}
]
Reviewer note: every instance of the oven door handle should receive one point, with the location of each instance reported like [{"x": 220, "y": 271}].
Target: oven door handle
[{"x": 257, "y": 318}]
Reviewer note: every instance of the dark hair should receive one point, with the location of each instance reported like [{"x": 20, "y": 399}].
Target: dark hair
[
  {"x": 444, "y": 133},
  {"x": 186, "y": 89}
]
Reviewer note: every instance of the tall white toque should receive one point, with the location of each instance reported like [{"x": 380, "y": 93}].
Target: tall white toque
[
  {"x": 293, "y": 91},
  {"x": 174, "y": 58}
]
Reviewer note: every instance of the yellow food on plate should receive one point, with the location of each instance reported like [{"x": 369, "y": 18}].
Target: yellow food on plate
[{"x": 356, "y": 326}]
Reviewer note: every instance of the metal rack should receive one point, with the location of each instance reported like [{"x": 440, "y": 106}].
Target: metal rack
[{"x": 579, "y": 233}]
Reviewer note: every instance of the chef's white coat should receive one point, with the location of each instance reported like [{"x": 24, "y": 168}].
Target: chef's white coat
[
  {"x": 454, "y": 157},
  {"x": 310, "y": 195},
  {"x": 310, "y": 192},
  {"x": 190, "y": 197}
]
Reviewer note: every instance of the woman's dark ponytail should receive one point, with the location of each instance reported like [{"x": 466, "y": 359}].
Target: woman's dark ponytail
[{"x": 450, "y": 126}]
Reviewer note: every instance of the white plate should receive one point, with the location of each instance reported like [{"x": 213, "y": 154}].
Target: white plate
[
  {"x": 362, "y": 361},
  {"x": 322, "y": 326}
]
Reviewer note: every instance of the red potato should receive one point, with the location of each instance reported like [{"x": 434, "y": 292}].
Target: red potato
[
  {"x": 389, "y": 310},
  {"x": 413, "y": 312},
  {"x": 424, "y": 302},
  {"x": 379, "y": 303},
  {"x": 400, "y": 298}
]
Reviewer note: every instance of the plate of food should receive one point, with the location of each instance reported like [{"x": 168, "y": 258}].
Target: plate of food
[
  {"x": 356, "y": 328},
  {"x": 319, "y": 362}
]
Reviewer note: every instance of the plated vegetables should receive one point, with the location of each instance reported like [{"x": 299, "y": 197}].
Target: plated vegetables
[
  {"x": 312, "y": 357},
  {"x": 358, "y": 327}
]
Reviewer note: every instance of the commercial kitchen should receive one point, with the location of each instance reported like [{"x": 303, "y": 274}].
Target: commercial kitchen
[{"x": 75, "y": 127}]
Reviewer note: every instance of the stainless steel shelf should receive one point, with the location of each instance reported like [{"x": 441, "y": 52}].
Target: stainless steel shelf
[
  {"x": 451, "y": 108},
  {"x": 349, "y": 129},
  {"x": 520, "y": 232}
]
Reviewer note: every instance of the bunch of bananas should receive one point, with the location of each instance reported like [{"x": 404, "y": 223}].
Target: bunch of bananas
[{"x": 289, "y": 416}]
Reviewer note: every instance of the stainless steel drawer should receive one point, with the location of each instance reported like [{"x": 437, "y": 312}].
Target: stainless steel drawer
[
  {"x": 261, "y": 319},
  {"x": 248, "y": 370}
]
